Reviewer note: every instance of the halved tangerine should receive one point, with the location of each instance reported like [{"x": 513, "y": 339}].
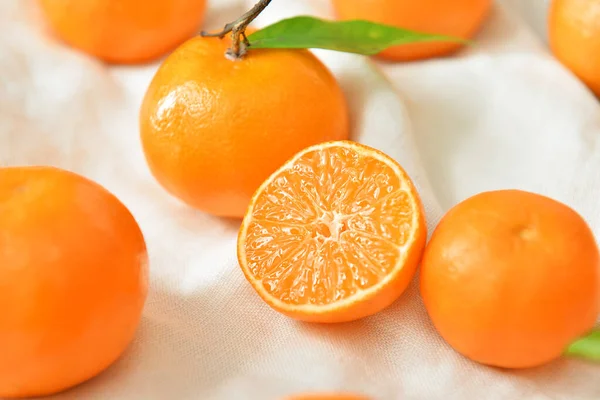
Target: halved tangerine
[{"x": 334, "y": 235}]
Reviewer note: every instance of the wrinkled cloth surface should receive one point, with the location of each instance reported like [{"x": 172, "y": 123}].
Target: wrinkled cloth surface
[{"x": 502, "y": 113}]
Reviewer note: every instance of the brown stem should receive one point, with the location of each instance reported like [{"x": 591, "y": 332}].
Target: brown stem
[{"x": 239, "y": 41}]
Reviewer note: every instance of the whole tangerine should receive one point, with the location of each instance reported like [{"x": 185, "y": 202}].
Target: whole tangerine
[
  {"x": 214, "y": 129},
  {"x": 327, "y": 396},
  {"x": 460, "y": 18},
  {"x": 73, "y": 280},
  {"x": 510, "y": 278},
  {"x": 574, "y": 36},
  {"x": 124, "y": 31}
]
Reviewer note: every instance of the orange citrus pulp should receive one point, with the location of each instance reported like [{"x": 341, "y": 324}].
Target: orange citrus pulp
[{"x": 334, "y": 235}]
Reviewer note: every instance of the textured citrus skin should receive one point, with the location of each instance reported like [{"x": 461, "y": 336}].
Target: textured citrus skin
[
  {"x": 574, "y": 36},
  {"x": 73, "y": 280},
  {"x": 461, "y": 18},
  {"x": 510, "y": 278},
  {"x": 213, "y": 129},
  {"x": 124, "y": 31},
  {"x": 330, "y": 396},
  {"x": 369, "y": 302}
]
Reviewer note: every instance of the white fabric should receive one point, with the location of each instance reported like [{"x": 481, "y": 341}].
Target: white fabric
[{"x": 501, "y": 114}]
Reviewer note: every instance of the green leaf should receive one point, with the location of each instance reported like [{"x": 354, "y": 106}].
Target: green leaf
[
  {"x": 587, "y": 347},
  {"x": 357, "y": 36}
]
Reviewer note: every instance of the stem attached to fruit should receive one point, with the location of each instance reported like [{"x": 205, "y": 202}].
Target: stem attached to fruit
[{"x": 239, "y": 41}]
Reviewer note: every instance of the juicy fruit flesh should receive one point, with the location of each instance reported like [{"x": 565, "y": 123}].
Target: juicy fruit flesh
[{"x": 331, "y": 225}]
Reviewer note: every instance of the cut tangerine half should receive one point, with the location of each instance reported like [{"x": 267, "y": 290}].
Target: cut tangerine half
[{"x": 334, "y": 235}]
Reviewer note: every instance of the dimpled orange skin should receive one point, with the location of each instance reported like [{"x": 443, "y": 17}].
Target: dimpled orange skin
[
  {"x": 331, "y": 396},
  {"x": 73, "y": 280},
  {"x": 510, "y": 278},
  {"x": 460, "y": 18},
  {"x": 213, "y": 129},
  {"x": 574, "y": 37},
  {"x": 124, "y": 31}
]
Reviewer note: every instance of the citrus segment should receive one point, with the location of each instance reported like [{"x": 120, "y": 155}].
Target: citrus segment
[{"x": 335, "y": 234}]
